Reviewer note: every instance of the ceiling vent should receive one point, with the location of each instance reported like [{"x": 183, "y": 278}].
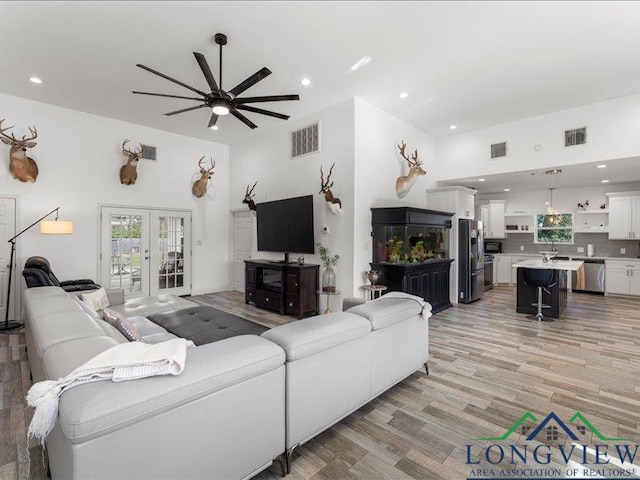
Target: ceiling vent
[
  {"x": 499, "y": 150},
  {"x": 305, "y": 141},
  {"x": 148, "y": 152},
  {"x": 576, "y": 136}
]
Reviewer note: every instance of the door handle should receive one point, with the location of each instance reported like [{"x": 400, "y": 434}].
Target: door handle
[{"x": 146, "y": 258}]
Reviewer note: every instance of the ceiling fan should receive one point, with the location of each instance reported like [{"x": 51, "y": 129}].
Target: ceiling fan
[{"x": 220, "y": 101}]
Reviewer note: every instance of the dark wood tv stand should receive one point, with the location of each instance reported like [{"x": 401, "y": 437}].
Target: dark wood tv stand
[{"x": 289, "y": 289}]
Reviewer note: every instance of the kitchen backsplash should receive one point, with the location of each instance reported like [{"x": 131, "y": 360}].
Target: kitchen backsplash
[{"x": 602, "y": 245}]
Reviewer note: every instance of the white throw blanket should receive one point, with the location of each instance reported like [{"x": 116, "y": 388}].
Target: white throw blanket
[
  {"x": 426, "y": 306},
  {"x": 127, "y": 361}
]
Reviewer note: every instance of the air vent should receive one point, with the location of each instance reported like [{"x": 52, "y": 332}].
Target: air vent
[
  {"x": 577, "y": 136},
  {"x": 148, "y": 152},
  {"x": 305, "y": 141},
  {"x": 499, "y": 150}
]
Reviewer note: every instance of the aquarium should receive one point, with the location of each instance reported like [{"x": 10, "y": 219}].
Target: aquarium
[{"x": 409, "y": 244}]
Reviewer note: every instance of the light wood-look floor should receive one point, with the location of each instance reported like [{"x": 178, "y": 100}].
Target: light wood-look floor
[{"x": 488, "y": 365}]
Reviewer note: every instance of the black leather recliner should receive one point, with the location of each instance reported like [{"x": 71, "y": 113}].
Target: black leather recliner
[{"x": 37, "y": 273}]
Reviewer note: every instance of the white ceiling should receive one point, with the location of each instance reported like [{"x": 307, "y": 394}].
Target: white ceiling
[{"x": 474, "y": 64}]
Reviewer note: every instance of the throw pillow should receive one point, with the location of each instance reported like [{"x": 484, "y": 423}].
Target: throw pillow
[
  {"x": 96, "y": 300},
  {"x": 124, "y": 326}
]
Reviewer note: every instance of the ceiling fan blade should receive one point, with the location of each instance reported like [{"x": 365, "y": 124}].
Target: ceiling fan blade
[
  {"x": 262, "y": 112},
  {"x": 186, "y": 110},
  {"x": 243, "y": 119},
  {"x": 171, "y": 79},
  {"x": 270, "y": 98},
  {"x": 170, "y": 96},
  {"x": 213, "y": 120},
  {"x": 206, "y": 71},
  {"x": 251, "y": 81}
]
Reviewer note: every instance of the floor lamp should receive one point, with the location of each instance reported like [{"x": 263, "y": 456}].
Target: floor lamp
[{"x": 55, "y": 227}]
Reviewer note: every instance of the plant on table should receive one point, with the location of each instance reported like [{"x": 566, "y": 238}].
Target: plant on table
[{"x": 328, "y": 261}]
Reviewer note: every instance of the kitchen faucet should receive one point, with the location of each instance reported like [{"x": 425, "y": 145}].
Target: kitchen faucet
[{"x": 553, "y": 247}]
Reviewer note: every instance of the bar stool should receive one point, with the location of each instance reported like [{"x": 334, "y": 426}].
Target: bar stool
[{"x": 543, "y": 279}]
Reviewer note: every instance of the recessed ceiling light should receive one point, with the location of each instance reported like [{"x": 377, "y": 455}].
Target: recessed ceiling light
[
  {"x": 507, "y": 189},
  {"x": 452, "y": 127},
  {"x": 604, "y": 181},
  {"x": 403, "y": 94},
  {"x": 360, "y": 63},
  {"x": 215, "y": 127},
  {"x": 482, "y": 179},
  {"x": 305, "y": 82},
  {"x": 35, "y": 80},
  {"x": 601, "y": 166}
]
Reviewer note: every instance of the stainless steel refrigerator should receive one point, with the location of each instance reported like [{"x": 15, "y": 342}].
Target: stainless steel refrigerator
[{"x": 470, "y": 261}]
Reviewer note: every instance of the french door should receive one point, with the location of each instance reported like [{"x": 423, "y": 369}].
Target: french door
[{"x": 146, "y": 251}]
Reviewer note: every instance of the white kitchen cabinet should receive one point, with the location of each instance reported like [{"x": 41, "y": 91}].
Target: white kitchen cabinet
[
  {"x": 458, "y": 200},
  {"x": 624, "y": 215},
  {"x": 496, "y": 219},
  {"x": 622, "y": 276},
  {"x": 502, "y": 267},
  {"x": 484, "y": 218}
]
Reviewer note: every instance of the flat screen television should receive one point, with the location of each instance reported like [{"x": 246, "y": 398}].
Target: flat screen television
[{"x": 286, "y": 226}]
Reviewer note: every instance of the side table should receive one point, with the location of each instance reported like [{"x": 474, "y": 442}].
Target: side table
[
  {"x": 328, "y": 294},
  {"x": 371, "y": 292}
]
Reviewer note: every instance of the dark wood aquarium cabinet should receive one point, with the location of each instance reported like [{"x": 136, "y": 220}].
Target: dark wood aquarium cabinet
[
  {"x": 289, "y": 289},
  {"x": 411, "y": 251}
]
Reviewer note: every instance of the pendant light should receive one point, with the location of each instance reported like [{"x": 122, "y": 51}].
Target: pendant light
[{"x": 554, "y": 214}]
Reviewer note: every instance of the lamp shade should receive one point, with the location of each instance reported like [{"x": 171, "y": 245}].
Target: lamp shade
[{"x": 56, "y": 227}]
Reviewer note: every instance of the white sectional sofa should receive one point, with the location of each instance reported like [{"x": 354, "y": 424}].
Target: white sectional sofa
[{"x": 239, "y": 404}]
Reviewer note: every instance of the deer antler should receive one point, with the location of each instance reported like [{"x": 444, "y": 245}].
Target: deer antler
[
  {"x": 415, "y": 159},
  {"x": 213, "y": 165},
  {"x": 34, "y": 135},
  {"x": 404, "y": 145},
  {"x": 200, "y": 163},
  {"x": 249, "y": 192},
  {"x": 128, "y": 152},
  {"x": 2, "y": 130},
  {"x": 325, "y": 185}
]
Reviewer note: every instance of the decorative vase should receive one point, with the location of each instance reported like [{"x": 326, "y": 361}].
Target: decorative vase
[
  {"x": 329, "y": 280},
  {"x": 373, "y": 276}
]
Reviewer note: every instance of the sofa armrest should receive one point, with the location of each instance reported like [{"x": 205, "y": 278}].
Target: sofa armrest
[
  {"x": 95, "y": 409},
  {"x": 349, "y": 302},
  {"x": 115, "y": 296}
]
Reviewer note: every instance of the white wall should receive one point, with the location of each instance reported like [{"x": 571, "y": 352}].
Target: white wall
[
  {"x": 612, "y": 133},
  {"x": 267, "y": 158},
  {"x": 79, "y": 157},
  {"x": 377, "y": 166}
]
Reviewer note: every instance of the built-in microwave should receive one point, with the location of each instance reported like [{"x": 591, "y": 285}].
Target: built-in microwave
[{"x": 491, "y": 246}]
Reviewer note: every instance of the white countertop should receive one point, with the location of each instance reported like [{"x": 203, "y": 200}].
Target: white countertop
[
  {"x": 572, "y": 265},
  {"x": 573, "y": 257}
]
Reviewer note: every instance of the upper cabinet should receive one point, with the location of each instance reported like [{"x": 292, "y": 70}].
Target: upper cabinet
[
  {"x": 624, "y": 215},
  {"x": 457, "y": 200},
  {"x": 495, "y": 223}
]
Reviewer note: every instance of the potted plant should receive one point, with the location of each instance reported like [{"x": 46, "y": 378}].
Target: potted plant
[{"x": 328, "y": 261}]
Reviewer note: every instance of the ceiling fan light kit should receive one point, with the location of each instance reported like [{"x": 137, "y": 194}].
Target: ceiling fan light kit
[{"x": 223, "y": 102}]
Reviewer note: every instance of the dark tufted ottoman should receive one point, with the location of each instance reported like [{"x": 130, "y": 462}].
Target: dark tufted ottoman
[{"x": 205, "y": 324}]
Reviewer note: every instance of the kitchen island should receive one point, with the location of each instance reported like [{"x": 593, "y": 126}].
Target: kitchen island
[{"x": 556, "y": 297}]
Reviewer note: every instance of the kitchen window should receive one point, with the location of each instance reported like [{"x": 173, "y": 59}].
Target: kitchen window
[{"x": 554, "y": 228}]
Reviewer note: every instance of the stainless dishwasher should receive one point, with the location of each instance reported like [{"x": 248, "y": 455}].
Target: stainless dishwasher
[{"x": 593, "y": 276}]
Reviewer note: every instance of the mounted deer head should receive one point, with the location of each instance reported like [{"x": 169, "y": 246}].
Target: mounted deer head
[
  {"x": 334, "y": 203},
  {"x": 248, "y": 197},
  {"x": 22, "y": 167},
  {"x": 129, "y": 172},
  {"x": 405, "y": 182},
  {"x": 199, "y": 187}
]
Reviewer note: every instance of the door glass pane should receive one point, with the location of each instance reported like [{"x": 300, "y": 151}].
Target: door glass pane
[
  {"x": 170, "y": 252},
  {"x": 125, "y": 252}
]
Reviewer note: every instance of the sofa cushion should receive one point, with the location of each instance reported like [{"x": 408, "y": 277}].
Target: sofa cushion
[
  {"x": 62, "y": 359},
  {"x": 158, "y": 337},
  {"x": 51, "y": 304},
  {"x": 62, "y": 327},
  {"x": 124, "y": 326},
  {"x": 387, "y": 310},
  {"x": 146, "y": 327},
  {"x": 96, "y": 299},
  {"x": 84, "y": 414},
  {"x": 314, "y": 334},
  {"x": 144, "y": 307}
]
